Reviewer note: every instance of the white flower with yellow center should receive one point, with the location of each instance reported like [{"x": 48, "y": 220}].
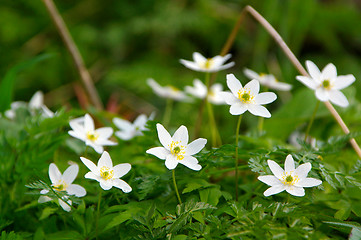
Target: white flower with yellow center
[
  {"x": 203, "y": 64},
  {"x": 267, "y": 80},
  {"x": 292, "y": 180},
  {"x": 167, "y": 91},
  {"x": 63, "y": 182},
  {"x": 107, "y": 175},
  {"x": 130, "y": 130},
  {"x": 327, "y": 84},
  {"x": 176, "y": 148},
  {"x": 199, "y": 90},
  {"x": 246, "y": 98},
  {"x": 84, "y": 130}
]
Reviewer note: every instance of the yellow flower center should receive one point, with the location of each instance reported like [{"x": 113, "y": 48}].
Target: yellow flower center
[
  {"x": 288, "y": 179},
  {"x": 60, "y": 187},
  {"x": 326, "y": 84},
  {"x": 177, "y": 150},
  {"x": 245, "y": 96},
  {"x": 208, "y": 63},
  {"x": 106, "y": 173},
  {"x": 174, "y": 89},
  {"x": 92, "y": 135}
]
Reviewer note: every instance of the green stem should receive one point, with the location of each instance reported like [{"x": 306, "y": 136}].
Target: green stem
[
  {"x": 260, "y": 124},
  {"x": 236, "y": 157},
  {"x": 311, "y": 120},
  {"x": 212, "y": 121},
  {"x": 175, "y": 187},
  {"x": 167, "y": 112},
  {"x": 98, "y": 214},
  {"x": 198, "y": 125}
]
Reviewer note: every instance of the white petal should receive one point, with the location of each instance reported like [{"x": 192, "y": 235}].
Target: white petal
[
  {"x": 106, "y": 185},
  {"x": 159, "y": 152},
  {"x": 258, "y": 110},
  {"x": 125, "y": 135},
  {"x": 70, "y": 174},
  {"x": 43, "y": 199},
  {"x": 274, "y": 190},
  {"x": 253, "y": 87},
  {"x": 105, "y": 160},
  {"x": 198, "y": 58},
  {"x": 289, "y": 164},
  {"x": 105, "y": 132},
  {"x": 251, "y": 74},
  {"x": 88, "y": 123},
  {"x": 122, "y": 124},
  {"x": 313, "y": 70},
  {"x": 119, "y": 183},
  {"x": 233, "y": 84},
  {"x": 105, "y": 142},
  {"x": 329, "y": 72},
  {"x": 37, "y": 100},
  {"x": 191, "y": 162},
  {"x": 269, "y": 180},
  {"x": 171, "y": 162},
  {"x": 92, "y": 175},
  {"x": 275, "y": 168},
  {"x": 191, "y": 65},
  {"x": 309, "y": 182},
  {"x": 164, "y": 136},
  {"x": 196, "y": 146},
  {"x": 226, "y": 66},
  {"x": 265, "y": 98},
  {"x": 296, "y": 191},
  {"x": 78, "y": 135},
  {"x": 159, "y": 90},
  {"x": 181, "y": 135},
  {"x": 54, "y": 173},
  {"x": 237, "y": 109},
  {"x": 322, "y": 94},
  {"x": 98, "y": 148},
  {"x": 44, "y": 191},
  {"x": 281, "y": 86},
  {"x": 140, "y": 121},
  {"x": 229, "y": 98},
  {"x": 75, "y": 189},
  {"x": 121, "y": 169},
  {"x": 338, "y": 98},
  {"x": 309, "y": 82},
  {"x": 303, "y": 170},
  {"x": 65, "y": 206},
  {"x": 92, "y": 167},
  {"x": 343, "y": 81}
]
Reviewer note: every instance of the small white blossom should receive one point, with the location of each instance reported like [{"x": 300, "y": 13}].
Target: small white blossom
[
  {"x": 327, "y": 84},
  {"x": 107, "y": 175},
  {"x": 203, "y": 64},
  {"x": 130, "y": 130},
  {"x": 63, "y": 182},
  {"x": 35, "y": 105},
  {"x": 199, "y": 90},
  {"x": 176, "y": 148},
  {"x": 84, "y": 130},
  {"x": 246, "y": 98},
  {"x": 167, "y": 91},
  {"x": 292, "y": 180},
  {"x": 267, "y": 80}
]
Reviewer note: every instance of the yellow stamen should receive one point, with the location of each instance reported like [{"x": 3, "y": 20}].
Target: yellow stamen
[
  {"x": 208, "y": 64},
  {"x": 326, "y": 84},
  {"x": 92, "y": 135},
  {"x": 60, "y": 187},
  {"x": 288, "y": 179},
  {"x": 177, "y": 150},
  {"x": 245, "y": 96},
  {"x": 106, "y": 173}
]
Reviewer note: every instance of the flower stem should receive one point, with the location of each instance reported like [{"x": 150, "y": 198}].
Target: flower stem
[
  {"x": 236, "y": 157},
  {"x": 167, "y": 112},
  {"x": 98, "y": 214},
  {"x": 175, "y": 187},
  {"x": 311, "y": 120},
  {"x": 198, "y": 125},
  {"x": 214, "y": 131}
]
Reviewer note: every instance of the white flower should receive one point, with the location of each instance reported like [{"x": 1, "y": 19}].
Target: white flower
[
  {"x": 129, "y": 130},
  {"x": 84, "y": 130},
  {"x": 200, "y": 91},
  {"x": 247, "y": 98},
  {"x": 326, "y": 83},
  {"x": 267, "y": 80},
  {"x": 292, "y": 180},
  {"x": 35, "y": 104},
  {"x": 107, "y": 175},
  {"x": 63, "y": 182},
  {"x": 176, "y": 148},
  {"x": 167, "y": 91},
  {"x": 203, "y": 64}
]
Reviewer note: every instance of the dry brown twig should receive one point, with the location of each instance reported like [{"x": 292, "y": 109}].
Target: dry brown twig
[{"x": 291, "y": 57}]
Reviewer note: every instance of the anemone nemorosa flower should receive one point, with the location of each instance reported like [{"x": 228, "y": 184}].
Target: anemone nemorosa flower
[
  {"x": 203, "y": 64},
  {"x": 267, "y": 80},
  {"x": 199, "y": 90},
  {"x": 106, "y": 174},
  {"x": 176, "y": 148},
  {"x": 84, "y": 130},
  {"x": 130, "y": 130},
  {"x": 167, "y": 91},
  {"x": 327, "y": 84},
  {"x": 246, "y": 98},
  {"x": 63, "y": 182},
  {"x": 292, "y": 180}
]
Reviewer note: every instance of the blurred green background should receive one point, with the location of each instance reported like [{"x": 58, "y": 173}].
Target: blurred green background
[{"x": 125, "y": 42}]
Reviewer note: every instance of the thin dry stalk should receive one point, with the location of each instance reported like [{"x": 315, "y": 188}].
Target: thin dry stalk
[{"x": 74, "y": 52}]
